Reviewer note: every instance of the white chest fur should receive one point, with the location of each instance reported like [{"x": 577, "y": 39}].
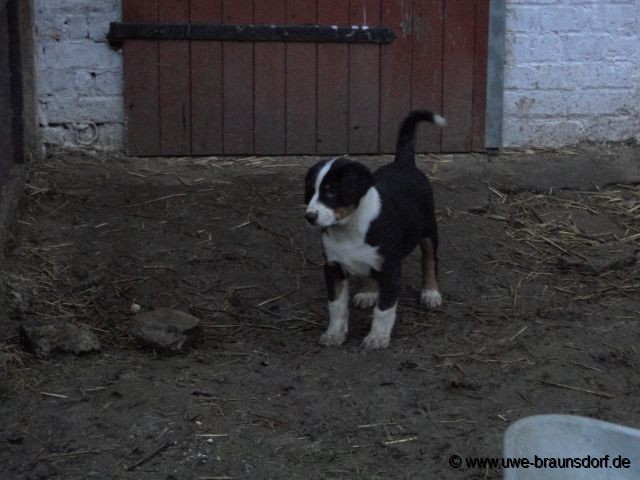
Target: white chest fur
[
  {"x": 344, "y": 244},
  {"x": 352, "y": 253}
]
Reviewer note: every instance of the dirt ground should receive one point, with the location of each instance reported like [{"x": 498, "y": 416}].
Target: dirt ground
[{"x": 541, "y": 315}]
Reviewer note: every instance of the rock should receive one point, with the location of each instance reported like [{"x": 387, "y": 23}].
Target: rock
[
  {"x": 596, "y": 226},
  {"x": 493, "y": 210},
  {"x": 167, "y": 330},
  {"x": 46, "y": 338},
  {"x": 42, "y": 471},
  {"x": 12, "y": 437},
  {"x": 600, "y": 259},
  {"x": 19, "y": 299}
]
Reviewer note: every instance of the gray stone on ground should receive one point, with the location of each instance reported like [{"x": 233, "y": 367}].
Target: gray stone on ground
[
  {"x": 596, "y": 226},
  {"x": 166, "y": 330},
  {"x": 47, "y": 338},
  {"x": 599, "y": 259}
]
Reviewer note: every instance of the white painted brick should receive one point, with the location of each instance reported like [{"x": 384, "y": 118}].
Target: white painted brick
[
  {"x": 564, "y": 19},
  {"x": 85, "y": 109},
  {"x": 73, "y": 54},
  {"x": 41, "y": 111},
  {"x": 98, "y": 25},
  {"x": 50, "y": 81},
  {"x": 62, "y": 27},
  {"x": 614, "y": 128},
  {"x": 57, "y": 6},
  {"x": 56, "y": 136},
  {"x": 533, "y": 48},
  {"x": 532, "y": 2},
  {"x": 567, "y": 76},
  {"x": 554, "y": 133},
  {"x": 77, "y": 82},
  {"x": 97, "y": 82},
  {"x": 567, "y": 104},
  {"x": 622, "y": 19},
  {"x": 523, "y": 20},
  {"x": 548, "y": 20},
  {"x": 84, "y": 82},
  {"x": 540, "y": 132},
  {"x": 109, "y": 82},
  {"x": 572, "y": 71},
  {"x": 111, "y": 136},
  {"x": 599, "y": 46},
  {"x": 79, "y": 77},
  {"x": 581, "y": 2},
  {"x": 76, "y": 26}
]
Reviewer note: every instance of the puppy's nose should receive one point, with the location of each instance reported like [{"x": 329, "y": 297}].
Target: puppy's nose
[{"x": 311, "y": 217}]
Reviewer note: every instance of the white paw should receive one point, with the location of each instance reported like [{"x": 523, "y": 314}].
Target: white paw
[
  {"x": 431, "y": 298},
  {"x": 365, "y": 299},
  {"x": 332, "y": 339},
  {"x": 376, "y": 342}
]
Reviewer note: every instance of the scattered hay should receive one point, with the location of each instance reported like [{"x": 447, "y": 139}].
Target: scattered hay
[{"x": 550, "y": 231}]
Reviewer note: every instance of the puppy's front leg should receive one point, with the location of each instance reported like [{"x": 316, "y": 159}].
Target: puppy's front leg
[
  {"x": 384, "y": 313},
  {"x": 338, "y": 289},
  {"x": 368, "y": 296}
]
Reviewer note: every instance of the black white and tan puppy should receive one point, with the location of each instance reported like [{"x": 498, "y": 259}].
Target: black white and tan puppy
[{"x": 370, "y": 222}]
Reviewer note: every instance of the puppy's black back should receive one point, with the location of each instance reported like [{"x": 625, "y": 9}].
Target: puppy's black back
[{"x": 405, "y": 191}]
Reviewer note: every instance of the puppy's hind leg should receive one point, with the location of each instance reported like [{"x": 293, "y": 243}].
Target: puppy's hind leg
[
  {"x": 338, "y": 289},
  {"x": 430, "y": 295},
  {"x": 368, "y": 295}
]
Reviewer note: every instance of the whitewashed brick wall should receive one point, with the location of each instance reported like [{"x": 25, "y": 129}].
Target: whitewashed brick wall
[
  {"x": 572, "y": 72},
  {"x": 78, "y": 76}
]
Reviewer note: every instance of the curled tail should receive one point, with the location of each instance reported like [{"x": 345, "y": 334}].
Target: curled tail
[{"x": 405, "y": 146}]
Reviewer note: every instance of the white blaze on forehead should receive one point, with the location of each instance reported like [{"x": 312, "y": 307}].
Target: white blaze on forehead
[
  {"x": 323, "y": 173},
  {"x": 326, "y": 216}
]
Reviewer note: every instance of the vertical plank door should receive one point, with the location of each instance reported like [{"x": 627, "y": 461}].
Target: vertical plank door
[
  {"x": 395, "y": 72},
  {"x": 301, "y": 79},
  {"x": 212, "y": 97},
  {"x": 480, "y": 75},
  {"x": 426, "y": 75},
  {"x": 457, "y": 94},
  {"x": 364, "y": 82},
  {"x": 141, "y": 83},
  {"x": 206, "y": 83},
  {"x": 175, "y": 94},
  {"x": 333, "y": 82},
  {"x": 238, "y": 89},
  {"x": 270, "y": 75}
]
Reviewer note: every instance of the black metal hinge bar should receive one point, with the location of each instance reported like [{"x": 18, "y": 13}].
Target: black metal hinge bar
[{"x": 120, "y": 31}]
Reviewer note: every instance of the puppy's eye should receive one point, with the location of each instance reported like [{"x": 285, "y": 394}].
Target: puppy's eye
[{"x": 330, "y": 192}]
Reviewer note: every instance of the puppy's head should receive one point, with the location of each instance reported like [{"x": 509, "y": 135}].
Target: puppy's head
[{"x": 333, "y": 189}]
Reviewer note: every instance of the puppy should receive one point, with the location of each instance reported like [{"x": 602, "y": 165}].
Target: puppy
[{"x": 369, "y": 223}]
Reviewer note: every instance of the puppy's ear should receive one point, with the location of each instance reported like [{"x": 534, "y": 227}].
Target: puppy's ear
[{"x": 356, "y": 181}]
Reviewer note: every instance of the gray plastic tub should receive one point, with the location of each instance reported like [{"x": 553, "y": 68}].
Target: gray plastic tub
[{"x": 578, "y": 444}]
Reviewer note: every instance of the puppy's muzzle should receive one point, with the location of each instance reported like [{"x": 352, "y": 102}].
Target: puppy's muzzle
[{"x": 311, "y": 217}]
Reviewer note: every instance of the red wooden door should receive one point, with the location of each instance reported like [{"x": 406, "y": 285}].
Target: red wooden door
[{"x": 188, "y": 97}]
